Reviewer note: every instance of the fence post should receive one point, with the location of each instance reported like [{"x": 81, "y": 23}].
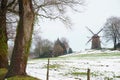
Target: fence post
[
  {"x": 47, "y": 77},
  {"x": 88, "y": 74}
]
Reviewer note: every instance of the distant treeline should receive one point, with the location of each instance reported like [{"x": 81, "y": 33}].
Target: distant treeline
[{"x": 45, "y": 48}]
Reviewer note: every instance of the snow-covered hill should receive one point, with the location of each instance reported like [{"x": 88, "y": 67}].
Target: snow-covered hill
[{"x": 104, "y": 65}]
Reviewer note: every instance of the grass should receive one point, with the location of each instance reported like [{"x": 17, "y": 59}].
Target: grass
[
  {"x": 99, "y": 55},
  {"x": 84, "y": 56},
  {"x": 3, "y": 71},
  {"x": 82, "y": 74},
  {"x": 22, "y": 78},
  {"x": 117, "y": 76},
  {"x": 78, "y": 73},
  {"x": 92, "y": 56}
]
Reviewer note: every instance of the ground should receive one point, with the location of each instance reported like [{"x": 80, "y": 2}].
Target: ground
[{"x": 103, "y": 65}]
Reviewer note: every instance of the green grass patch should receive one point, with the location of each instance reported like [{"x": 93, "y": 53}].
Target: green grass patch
[
  {"x": 78, "y": 73},
  {"x": 22, "y": 78},
  {"x": 3, "y": 71},
  {"x": 82, "y": 74},
  {"x": 92, "y": 56},
  {"x": 117, "y": 76},
  {"x": 98, "y": 55},
  {"x": 85, "y": 56}
]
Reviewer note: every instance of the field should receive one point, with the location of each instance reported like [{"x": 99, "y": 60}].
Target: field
[{"x": 103, "y": 65}]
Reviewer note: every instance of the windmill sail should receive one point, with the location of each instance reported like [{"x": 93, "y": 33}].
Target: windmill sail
[
  {"x": 96, "y": 43},
  {"x": 100, "y": 31},
  {"x": 90, "y": 30}
]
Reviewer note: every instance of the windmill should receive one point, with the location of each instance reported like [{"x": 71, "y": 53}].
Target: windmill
[{"x": 96, "y": 43}]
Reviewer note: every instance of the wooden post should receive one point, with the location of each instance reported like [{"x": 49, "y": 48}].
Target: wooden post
[
  {"x": 47, "y": 77},
  {"x": 88, "y": 74}
]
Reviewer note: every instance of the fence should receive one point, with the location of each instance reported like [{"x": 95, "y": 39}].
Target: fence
[{"x": 47, "y": 76}]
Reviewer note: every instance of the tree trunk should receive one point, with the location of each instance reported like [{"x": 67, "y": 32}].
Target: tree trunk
[
  {"x": 3, "y": 35},
  {"x": 23, "y": 39},
  {"x": 115, "y": 43}
]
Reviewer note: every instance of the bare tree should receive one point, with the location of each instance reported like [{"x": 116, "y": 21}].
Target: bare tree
[
  {"x": 23, "y": 39},
  {"x": 38, "y": 45},
  {"x": 58, "y": 50},
  {"x": 52, "y": 9},
  {"x": 46, "y": 9},
  {"x": 43, "y": 47},
  {"x": 65, "y": 42},
  {"x": 112, "y": 30}
]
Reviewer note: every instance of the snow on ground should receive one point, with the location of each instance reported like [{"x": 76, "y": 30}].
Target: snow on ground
[{"x": 73, "y": 67}]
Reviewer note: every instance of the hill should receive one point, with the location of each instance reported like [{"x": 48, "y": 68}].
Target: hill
[{"x": 104, "y": 65}]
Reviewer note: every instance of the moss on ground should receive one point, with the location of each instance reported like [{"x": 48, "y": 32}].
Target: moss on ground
[
  {"x": 3, "y": 71},
  {"x": 22, "y": 78}
]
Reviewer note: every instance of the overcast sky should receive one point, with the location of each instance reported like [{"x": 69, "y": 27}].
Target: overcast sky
[{"x": 93, "y": 15}]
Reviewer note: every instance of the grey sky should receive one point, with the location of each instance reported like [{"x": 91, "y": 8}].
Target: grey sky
[{"x": 94, "y": 16}]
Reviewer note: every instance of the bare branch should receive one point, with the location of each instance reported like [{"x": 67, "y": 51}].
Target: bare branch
[
  {"x": 11, "y": 3},
  {"x": 56, "y": 9}
]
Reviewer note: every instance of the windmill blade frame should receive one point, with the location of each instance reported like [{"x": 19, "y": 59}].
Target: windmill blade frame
[
  {"x": 88, "y": 41},
  {"x": 90, "y": 30},
  {"x": 100, "y": 31}
]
